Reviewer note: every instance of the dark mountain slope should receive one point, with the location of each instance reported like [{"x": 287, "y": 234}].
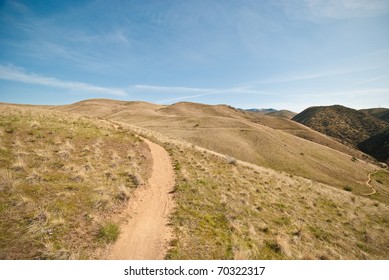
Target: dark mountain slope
[
  {"x": 377, "y": 146},
  {"x": 345, "y": 124},
  {"x": 380, "y": 113}
]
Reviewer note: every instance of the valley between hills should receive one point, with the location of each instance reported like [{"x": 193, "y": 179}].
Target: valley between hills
[{"x": 242, "y": 184}]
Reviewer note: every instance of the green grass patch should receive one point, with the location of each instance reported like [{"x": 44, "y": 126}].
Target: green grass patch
[
  {"x": 109, "y": 233},
  {"x": 320, "y": 233}
]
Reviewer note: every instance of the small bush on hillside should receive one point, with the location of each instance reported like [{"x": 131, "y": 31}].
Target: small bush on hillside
[
  {"x": 109, "y": 232},
  {"x": 347, "y": 188},
  {"x": 137, "y": 180},
  {"x": 177, "y": 166},
  {"x": 232, "y": 160}
]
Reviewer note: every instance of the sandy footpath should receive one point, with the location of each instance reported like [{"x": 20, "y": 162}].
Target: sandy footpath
[{"x": 146, "y": 235}]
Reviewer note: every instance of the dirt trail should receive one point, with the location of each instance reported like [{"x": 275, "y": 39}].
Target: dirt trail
[
  {"x": 373, "y": 191},
  {"x": 146, "y": 235}
]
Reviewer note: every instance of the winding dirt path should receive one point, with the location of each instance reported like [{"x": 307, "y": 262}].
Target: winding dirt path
[
  {"x": 146, "y": 235},
  {"x": 373, "y": 191}
]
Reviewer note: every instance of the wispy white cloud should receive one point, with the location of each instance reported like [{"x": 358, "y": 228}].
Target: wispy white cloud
[
  {"x": 16, "y": 74},
  {"x": 172, "y": 89},
  {"x": 334, "y": 9},
  {"x": 359, "y": 92},
  {"x": 285, "y": 99},
  {"x": 308, "y": 76},
  {"x": 180, "y": 89},
  {"x": 65, "y": 37},
  {"x": 19, "y": 7},
  {"x": 171, "y": 100},
  {"x": 201, "y": 92},
  {"x": 195, "y": 92},
  {"x": 371, "y": 80}
]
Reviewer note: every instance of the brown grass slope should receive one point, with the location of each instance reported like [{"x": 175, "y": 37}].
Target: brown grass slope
[
  {"x": 301, "y": 131},
  {"x": 342, "y": 123},
  {"x": 226, "y": 209},
  {"x": 107, "y": 107},
  {"x": 64, "y": 180},
  {"x": 282, "y": 114},
  {"x": 262, "y": 140},
  {"x": 229, "y": 209}
]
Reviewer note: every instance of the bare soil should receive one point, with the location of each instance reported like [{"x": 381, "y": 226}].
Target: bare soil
[
  {"x": 146, "y": 236},
  {"x": 373, "y": 191}
]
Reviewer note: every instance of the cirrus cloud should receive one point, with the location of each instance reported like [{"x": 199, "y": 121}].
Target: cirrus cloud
[{"x": 17, "y": 74}]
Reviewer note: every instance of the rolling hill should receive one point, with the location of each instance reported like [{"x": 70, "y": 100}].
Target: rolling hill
[
  {"x": 380, "y": 113},
  {"x": 282, "y": 113},
  {"x": 347, "y": 125},
  {"x": 233, "y": 210},
  {"x": 246, "y": 187},
  {"x": 377, "y": 146},
  {"x": 272, "y": 112},
  {"x": 277, "y": 143}
]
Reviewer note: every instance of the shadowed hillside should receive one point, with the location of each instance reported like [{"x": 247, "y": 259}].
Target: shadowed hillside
[
  {"x": 380, "y": 113},
  {"x": 345, "y": 124},
  {"x": 377, "y": 146}
]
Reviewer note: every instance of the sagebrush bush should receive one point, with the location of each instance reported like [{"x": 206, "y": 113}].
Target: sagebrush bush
[{"x": 232, "y": 160}]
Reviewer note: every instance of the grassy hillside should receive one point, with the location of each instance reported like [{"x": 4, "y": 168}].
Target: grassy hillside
[
  {"x": 227, "y": 209},
  {"x": 64, "y": 180},
  {"x": 187, "y": 115},
  {"x": 346, "y": 124},
  {"x": 262, "y": 140},
  {"x": 282, "y": 114},
  {"x": 270, "y": 112}
]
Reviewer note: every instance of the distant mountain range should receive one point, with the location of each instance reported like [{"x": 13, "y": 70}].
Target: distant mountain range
[
  {"x": 263, "y": 110},
  {"x": 272, "y": 112},
  {"x": 364, "y": 129}
]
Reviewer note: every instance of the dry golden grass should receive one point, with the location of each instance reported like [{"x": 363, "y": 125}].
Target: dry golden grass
[
  {"x": 277, "y": 143},
  {"x": 233, "y": 211},
  {"x": 380, "y": 182},
  {"x": 64, "y": 180},
  {"x": 236, "y": 210},
  {"x": 280, "y": 151},
  {"x": 225, "y": 208}
]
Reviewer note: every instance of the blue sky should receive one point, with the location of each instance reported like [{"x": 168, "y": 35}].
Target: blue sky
[{"x": 282, "y": 54}]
